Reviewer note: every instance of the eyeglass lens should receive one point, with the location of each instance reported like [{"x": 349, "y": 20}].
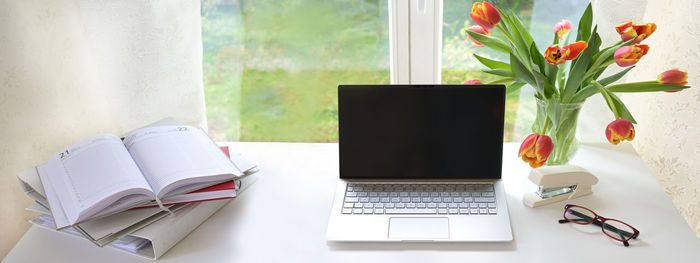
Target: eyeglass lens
[{"x": 611, "y": 227}]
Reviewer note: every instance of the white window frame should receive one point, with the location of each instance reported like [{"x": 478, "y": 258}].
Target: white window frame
[{"x": 415, "y": 41}]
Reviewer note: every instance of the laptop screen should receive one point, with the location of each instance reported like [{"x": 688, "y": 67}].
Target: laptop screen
[{"x": 421, "y": 131}]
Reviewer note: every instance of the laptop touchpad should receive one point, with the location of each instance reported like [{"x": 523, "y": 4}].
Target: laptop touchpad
[{"x": 417, "y": 228}]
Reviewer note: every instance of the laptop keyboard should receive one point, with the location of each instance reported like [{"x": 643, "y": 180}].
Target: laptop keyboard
[{"x": 419, "y": 199}]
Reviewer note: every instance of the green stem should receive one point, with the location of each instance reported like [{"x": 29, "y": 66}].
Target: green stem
[{"x": 546, "y": 123}]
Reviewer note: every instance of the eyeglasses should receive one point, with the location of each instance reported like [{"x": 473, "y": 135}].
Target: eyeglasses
[{"x": 613, "y": 228}]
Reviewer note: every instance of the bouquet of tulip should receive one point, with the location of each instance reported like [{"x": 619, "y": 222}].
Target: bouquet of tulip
[{"x": 564, "y": 75}]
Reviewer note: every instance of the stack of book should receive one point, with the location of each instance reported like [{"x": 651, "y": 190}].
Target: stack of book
[{"x": 140, "y": 194}]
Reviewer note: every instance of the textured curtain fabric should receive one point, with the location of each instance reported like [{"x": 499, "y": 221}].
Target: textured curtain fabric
[
  {"x": 71, "y": 69},
  {"x": 667, "y": 136}
]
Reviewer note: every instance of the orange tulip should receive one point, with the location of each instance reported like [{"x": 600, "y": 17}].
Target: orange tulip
[
  {"x": 673, "y": 77},
  {"x": 555, "y": 55},
  {"x": 562, "y": 28},
  {"x": 485, "y": 15},
  {"x": 628, "y": 31},
  {"x": 473, "y": 81},
  {"x": 480, "y": 30},
  {"x": 619, "y": 130},
  {"x": 535, "y": 149},
  {"x": 629, "y": 55}
]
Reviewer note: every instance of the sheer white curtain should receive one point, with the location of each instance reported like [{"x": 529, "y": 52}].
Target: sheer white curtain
[
  {"x": 70, "y": 69},
  {"x": 667, "y": 135}
]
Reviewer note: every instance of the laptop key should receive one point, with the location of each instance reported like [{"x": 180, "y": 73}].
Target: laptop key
[
  {"x": 348, "y": 205},
  {"x": 453, "y": 211},
  {"x": 357, "y": 211},
  {"x": 464, "y": 211},
  {"x": 409, "y": 211},
  {"x": 364, "y": 199},
  {"x": 474, "y": 211},
  {"x": 442, "y": 211},
  {"x": 347, "y": 211},
  {"x": 492, "y": 211},
  {"x": 368, "y": 210},
  {"x": 351, "y": 194},
  {"x": 378, "y": 211},
  {"x": 351, "y": 199},
  {"x": 483, "y": 211}
]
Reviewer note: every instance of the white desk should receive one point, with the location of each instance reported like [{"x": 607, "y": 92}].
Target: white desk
[{"x": 283, "y": 217}]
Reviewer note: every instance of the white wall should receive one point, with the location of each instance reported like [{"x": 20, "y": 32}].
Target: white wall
[{"x": 70, "y": 69}]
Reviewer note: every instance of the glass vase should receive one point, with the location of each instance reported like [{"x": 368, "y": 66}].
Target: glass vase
[{"x": 561, "y": 121}]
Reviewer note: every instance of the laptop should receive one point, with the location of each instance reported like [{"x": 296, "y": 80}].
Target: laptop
[{"x": 420, "y": 163}]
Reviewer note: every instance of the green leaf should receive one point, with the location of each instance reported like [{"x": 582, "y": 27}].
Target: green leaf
[
  {"x": 515, "y": 86},
  {"x": 492, "y": 64},
  {"x": 536, "y": 58},
  {"x": 521, "y": 48},
  {"x": 622, "y": 110},
  {"x": 491, "y": 42},
  {"x": 520, "y": 28},
  {"x": 647, "y": 86},
  {"x": 584, "y": 24},
  {"x": 502, "y": 81},
  {"x": 584, "y": 93},
  {"x": 576, "y": 74},
  {"x": 499, "y": 72},
  {"x": 615, "y": 104},
  {"x": 522, "y": 73},
  {"x": 614, "y": 77}
]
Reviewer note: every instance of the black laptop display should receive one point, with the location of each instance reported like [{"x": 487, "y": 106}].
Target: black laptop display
[{"x": 421, "y": 131}]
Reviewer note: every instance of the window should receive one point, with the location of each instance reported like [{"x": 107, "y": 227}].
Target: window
[{"x": 271, "y": 68}]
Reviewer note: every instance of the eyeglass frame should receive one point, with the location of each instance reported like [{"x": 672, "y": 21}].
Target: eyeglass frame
[{"x": 600, "y": 221}]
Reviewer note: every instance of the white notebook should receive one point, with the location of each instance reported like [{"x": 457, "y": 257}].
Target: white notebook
[{"x": 103, "y": 174}]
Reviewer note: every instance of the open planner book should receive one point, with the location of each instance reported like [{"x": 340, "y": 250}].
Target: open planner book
[{"x": 103, "y": 174}]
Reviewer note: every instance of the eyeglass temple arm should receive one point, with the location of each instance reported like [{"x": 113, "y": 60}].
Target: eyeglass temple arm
[{"x": 597, "y": 222}]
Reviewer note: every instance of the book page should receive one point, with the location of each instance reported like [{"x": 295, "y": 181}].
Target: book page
[
  {"x": 92, "y": 174},
  {"x": 174, "y": 157}
]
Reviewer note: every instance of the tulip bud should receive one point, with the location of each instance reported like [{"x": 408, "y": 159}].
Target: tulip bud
[
  {"x": 485, "y": 15},
  {"x": 562, "y": 29},
  {"x": 630, "y": 55},
  {"x": 480, "y": 30},
  {"x": 535, "y": 149},
  {"x": 628, "y": 31},
  {"x": 473, "y": 81},
  {"x": 619, "y": 130},
  {"x": 673, "y": 77}
]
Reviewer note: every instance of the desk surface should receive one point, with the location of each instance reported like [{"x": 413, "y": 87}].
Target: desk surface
[{"x": 283, "y": 218}]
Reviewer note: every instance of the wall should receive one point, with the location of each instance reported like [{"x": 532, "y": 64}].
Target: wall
[{"x": 70, "y": 69}]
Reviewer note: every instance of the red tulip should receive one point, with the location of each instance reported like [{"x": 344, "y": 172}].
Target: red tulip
[
  {"x": 619, "y": 130},
  {"x": 480, "y": 30},
  {"x": 473, "y": 81},
  {"x": 628, "y": 31},
  {"x": 629, "y": 55},
  {"x": 562, "y": 28},
  {"x": 555, "y": 55},
  {"x": 485, "y": 15},
  {"x": 535, "y": 149},
  {"x": 673, "y": 77}
]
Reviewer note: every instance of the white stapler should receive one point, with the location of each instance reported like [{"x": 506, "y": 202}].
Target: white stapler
[{"x": 559, "y": 183}]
